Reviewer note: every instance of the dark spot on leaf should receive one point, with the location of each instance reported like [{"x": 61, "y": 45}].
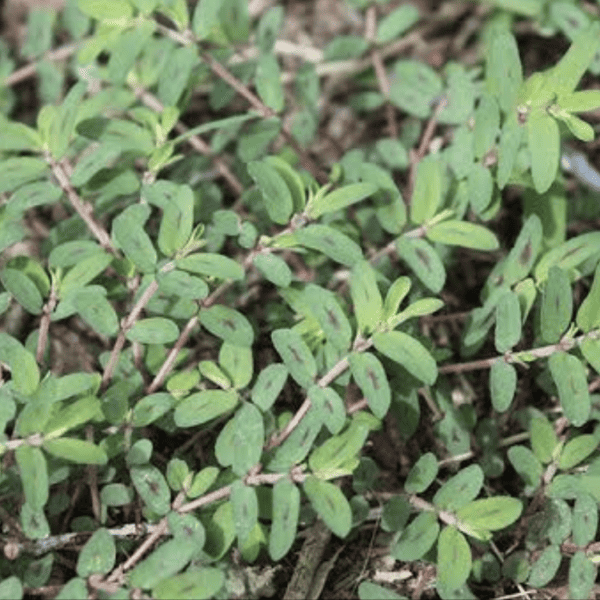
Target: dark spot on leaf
[
  {"x": 333, "y": 319},
  {"x": 153, "y": 486},
  {"x": 525, "y": 254},
  {"x": 305, "y": 438},
  {"x": 297, "y": 357},
  {"x": 329, "y": 406},
  {"x": 574, "y": 251},
  {"x": 329, "y": 241},
  {"x": 373, "y": 379},
  {"x": 422, "y": 256},
  {"x": 229, "y": 323}
]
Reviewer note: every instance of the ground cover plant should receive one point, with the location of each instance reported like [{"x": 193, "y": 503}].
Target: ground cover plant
[{"x": 300, "y": 315}]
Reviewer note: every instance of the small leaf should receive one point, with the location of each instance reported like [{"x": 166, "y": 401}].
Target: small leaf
[
  {"x": 543, "y": 438},
  {"x": 268, "y": 82},
  {"x": 180, "y": 283},
  {"x": 368, "y": 590},
  {"x": 197, "y": 583},
  {"x": 331, "y": 242},
  {"x": 286, "y": 510},
  {"x": 545, "y": 567},
  {"x": 211, "y": 265},
  {"x": 97, "y": 9},
  {"x": 463, "y": 233},
  {"x": 98, "y": 555},
  {"x": 557, "y": 305},
  {"x": 204, "y": 406},
  {"x": 296, "y": 355},
  {"x": 423, "y": 260},
  {"x": 396, "y": 23},
  {"x": 371, "y": 378},
  {"x": 91, "y": 163},
  {"x": 527, "y": 465},
  {"x": 177, "y": 221},
  {"x": 454, "y": 558},
  {"x": 395, "y": 294},
  {"x": 422, "y": 474},
  {"x": 503, "y": 71},
  {"x": 508, "y": 322},
  {"x": 150, "y": 408},
  {"x": 268, "y": 385},
  {"x": 245, "y": 509},
  {"x": 409, "y": 353},
  {"x": 340, "y": 199},
  {"x": 202, "y": 481},
  {"x": 330, "y": 405},
  {"x": 248, "y": 439},
  {"x": 590, "y": 349},
  {"x": 34, "y": 476},
  {"x": 366, "y": 297},
  {"x": 585, "y": 520},
  {"x": 427, "y": 195},
  {"x": 237, "y": 363},
  {"x": 228, "y": 324},
  {"x": 274, "y": 269},
  {"x": 291, "y": 178},
  {"x": 152, "y": 487},
  {"x": 508, "y": 147},
  {"x": 414, "y": 87},
  {"x": 569, "y": 376},
  {"x": 417, "y": 538},
  {"x": 490, "y": 513},
  {"x": 481, "y": 186},
  {"x": 588, "y": 315},
  {"x": 23, "y": 289},
  {"x": 77, "y": 451},
  {"x": 577, "y": 450},
  {"x": 275, "y": 192},
  {"x": 544, "y": 146},
  {"x": 487, "y": 124},
  {"x": 19, "y": 171},
  {"x": 128, "y": 232},
  {"x": 580, "y": 101},
  {"x": 330, "y": 504},
  {"x": 460, "y": 489},
  {"x": 582, "y": 575},
  {"x": 503, "y": 383},
  {"x": 93, "y": 307}
]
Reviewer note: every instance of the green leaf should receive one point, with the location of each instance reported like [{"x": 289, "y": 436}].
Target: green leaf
[
  {"x": 453, "y": 558},
  {"x": 274, "y": 269},
  {"x": 503, "y": 71},
  {"x": 64, "y": 119},
  {"x": 174, "y": 77},
  {"x": 228, "y": 324},
  {"x": 577, "y": 450},
  {"x": 212, "y": 265},
  {"x": 463, "y": 233},
  {"x": 74, "y": 589},
  {"x": 568, "y": 255},
  {"x": 84, "y": 272},
  {"x": 93, "y": 307},
  {"x": 481, "y": 186},
  {"x": 268, "y": 385},
  {"x": 582, "y": 575},
  {"x": 545, "y": 567},
  {"x": 489, "y": 513},
  {"x": 91, "y": 163},
  {"x": 237, "y": 363},
  {"x": 19, "y": 171},
  {"x": 286, "y": 510},
  {"x": 424, "y": 306},
  {"x": 508, "y": 322},
  {"x": 177, "y": 221},
  {"x": 203, "y": 480},
  {"x": 155, "y": 330},
  {"x": 460, "y": 489},
  {"x": 180, "y": 283},
  {"x": 18, "y": 137},
  {"x": 366, "y": 298},
  {"x": 414, "y": 87},
  {"x": 508, "y": 147},
  {"x": 268, "y": 82},
  {"x": 330, "y": 405},
  {"x": 68, "y": 417},
  {"x": 569, "y": 376},
  {"x": 585, "y": 520},
  {"x": 200, "y": 584},
  {"x": 417, "y": 538},
  {"x": 395, "y": 294},
  {"x": 152, "y": 488},
  {"x": 396, "y": 23},
  {"x": 204, "y": 406},
  {"x": 150, "y": 408},
  {"x": 23, "y": 289},
  {"x": 34, "y": 475},
  {"x": 570, "y": 69},
  {"x": 128, "y": 233},
  {"x": 296, "y": 355},
  {"x": 590, "y": 349},
  {"x": 330, "y": 504},
  {"x": 543, "y": 438},
  {"x": 427, "y": 194},
  {"x": 98, "y": 555},
  {"x": 544, "y": 147},
  {"x": 423, "y": 260},
  {"x": 116, "y": 494},
  {"x": 331, "y": 242},
  {"x": 97, "y": 9},
  {"x": 588, "y": 315},
  {"x": 77, "y": 451},
  {"x": 371, "y": 378},
  {"x": 422, "y": 474},
  {"x": 275, "y": 192},
  {"x": 245, "y": 509},
  {"x": 487, "y": 124},
  {"x": 557, "y": 305},
  {"x": 340, "y": 199},
  {"x": 368, "y": 590},
  {"x": 409, "y": 353},
  {"x": 34, "y": 522},
  {"x": 580, "y": 101},
  {"x": 503, "y": 384},
  {"x": 11, "y": 588},
  {"x": 527, "y": 465},
  {"x": 291, "y": 178},
  {"x": 332, "y": 319},
  {"x": 578, "y": 127},
  {"x": 248, "y": 439}
]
